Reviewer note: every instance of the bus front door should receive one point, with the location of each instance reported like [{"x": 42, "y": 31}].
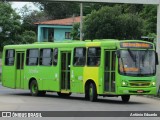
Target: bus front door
[
  {"x": 65, "y": 71},
  {"x": 109, "y": 71},
  {"x": 19, "y": 69}
]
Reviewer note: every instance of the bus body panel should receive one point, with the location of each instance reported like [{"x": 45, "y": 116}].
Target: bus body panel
[
  {"x": 8, "y": 77},
  {"x": 77, "y": 79},
  {"x": 8, "y": 73},
  {"x": 49, "y": 78},
  {"x": 136, "y": 84},
  {"x": 91, "y": 73}
]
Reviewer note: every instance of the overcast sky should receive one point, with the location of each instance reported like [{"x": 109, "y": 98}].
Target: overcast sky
[{"x": 18, "y": 5}]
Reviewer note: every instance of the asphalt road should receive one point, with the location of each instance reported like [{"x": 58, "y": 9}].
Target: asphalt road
[{"x": 21, "y": 100}]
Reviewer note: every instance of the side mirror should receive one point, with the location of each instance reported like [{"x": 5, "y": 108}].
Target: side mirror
[
  {"x": 156, "y": 56},
  {"x": 118, "y": 53}
]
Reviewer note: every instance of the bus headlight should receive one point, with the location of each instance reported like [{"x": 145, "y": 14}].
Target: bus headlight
[
  {"x": 153, "y": 84},
  {"x": 124, "y": 83}
]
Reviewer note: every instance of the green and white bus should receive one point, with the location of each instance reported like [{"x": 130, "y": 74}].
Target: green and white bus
[{"x": 94, "y": 68}]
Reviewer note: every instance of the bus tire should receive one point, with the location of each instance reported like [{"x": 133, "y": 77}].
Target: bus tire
[
  {"x": 64, "y": 94},
  {"x": 87, "y": 92},
  {"x": 92, "y": 92},
  {"x": 34, "y": 88},
  {"x": 42, "y": 93},
  {"x": 125, "y": 98}
]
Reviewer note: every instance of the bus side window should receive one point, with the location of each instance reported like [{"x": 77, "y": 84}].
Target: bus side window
[
  {"x": 9, "y": 57},
  {"x": 55, "y": 56},
  {"x": 93, "y": 58},
  {"x": 46, "y": 57},
  {"x": 32, "y": 57},
  {"x": 79, "y": 58}
]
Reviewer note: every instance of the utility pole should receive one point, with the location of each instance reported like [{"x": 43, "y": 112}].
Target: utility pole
[
  {"x": 158, "y": 42},
  {"x": 81, "y": 21}
]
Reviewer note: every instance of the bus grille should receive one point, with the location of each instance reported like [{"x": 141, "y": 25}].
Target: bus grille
[{"x": 139, "y": 83}]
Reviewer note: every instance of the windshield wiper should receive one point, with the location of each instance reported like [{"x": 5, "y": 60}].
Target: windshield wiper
[
  {"x": 123, "y": 65},
  {"x": 131, "y": 54},
  {"x": 143, "y": 58}
]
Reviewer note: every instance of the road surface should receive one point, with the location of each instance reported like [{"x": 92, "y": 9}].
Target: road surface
[{"x": 21, "y": 100}]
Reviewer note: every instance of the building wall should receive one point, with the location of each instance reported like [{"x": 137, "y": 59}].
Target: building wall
[{"x": 59, "y": 32}]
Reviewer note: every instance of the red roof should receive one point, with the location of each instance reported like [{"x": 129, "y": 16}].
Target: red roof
[{"x": 66, "y": 21}]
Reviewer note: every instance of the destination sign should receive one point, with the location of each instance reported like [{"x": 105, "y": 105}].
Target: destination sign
[{"x": 136, "y": 45}]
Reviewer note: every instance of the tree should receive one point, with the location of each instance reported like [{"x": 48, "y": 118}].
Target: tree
[
  {"x": 111, "y": 22},
  {"x": 149, "y": 14},
  {"x": 59, "y": 10},
  {"x": 66, "y": 9},
  {"x": 30, "y": 17},
  {"x": 75, "y": 33},
  {"x": 89, "y": 7},
  {"x": 132, "y": 8},
  {"x": 130, "y": 26},
  {"x": 10, "y": 25},
  {"x": 28, "y": 37}
]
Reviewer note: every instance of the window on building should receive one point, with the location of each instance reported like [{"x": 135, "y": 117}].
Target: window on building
[
  {"x": 67, "y": 35},
  {"x": 9, "y": 57},
  {"x": 32, "y": 57},
  {"x": 46, "y": 57},
  {"x": 55, "y": 56},
  {"x": 79, "y": 57},
  {"x": 93, "y": 58}
]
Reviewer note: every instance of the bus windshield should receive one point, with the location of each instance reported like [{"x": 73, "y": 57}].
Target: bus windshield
[{"x": 137, "y": 62}]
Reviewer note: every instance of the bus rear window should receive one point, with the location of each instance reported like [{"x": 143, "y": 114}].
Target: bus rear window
[
  {"x": 9, "y": 57},
  {"x": 32, "y": 57}
]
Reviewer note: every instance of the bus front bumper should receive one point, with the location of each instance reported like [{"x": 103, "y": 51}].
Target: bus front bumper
[{"x": 136, "y": 91}]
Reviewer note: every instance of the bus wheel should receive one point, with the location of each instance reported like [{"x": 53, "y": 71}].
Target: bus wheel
[
  {"x": 42, "y": 93},
  {"x": 92, "y": 92},
  {"x": 34, "y": 88},
  {"x": 64, "y": 94},
  {"x": 87, "y": 93},
  {"x": 125, "y": 98}
]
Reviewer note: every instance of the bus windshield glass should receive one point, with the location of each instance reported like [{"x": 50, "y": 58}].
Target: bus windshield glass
[{"x": 137, "y": 62}]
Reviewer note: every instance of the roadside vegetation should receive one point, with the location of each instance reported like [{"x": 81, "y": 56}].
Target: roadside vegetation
[
  {"x": 0, "y": 66},
  {"x": 101, "y": 21},
  {"x": 13, "y": 28},
  {"x": 0, "y": 55}
]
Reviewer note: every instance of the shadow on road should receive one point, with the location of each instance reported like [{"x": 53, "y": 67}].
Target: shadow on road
[{"x": 80, "y": 97}]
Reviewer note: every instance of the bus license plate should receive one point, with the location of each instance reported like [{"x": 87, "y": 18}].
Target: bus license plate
[{"x": 140, "y": 91}]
